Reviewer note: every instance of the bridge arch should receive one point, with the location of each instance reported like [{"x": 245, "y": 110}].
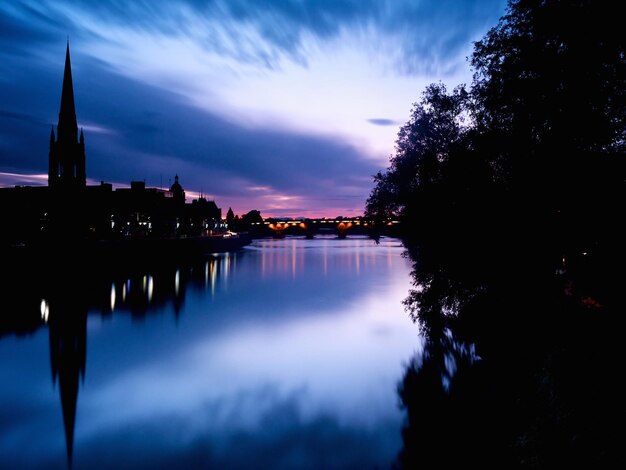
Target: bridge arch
[{"x": 342, "y": 227}]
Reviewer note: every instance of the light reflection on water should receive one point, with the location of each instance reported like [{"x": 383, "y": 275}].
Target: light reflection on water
[{"x": 286, "y": 354}]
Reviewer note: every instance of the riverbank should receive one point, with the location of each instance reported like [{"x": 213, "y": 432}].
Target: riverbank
[{"x": 124, "y": 250}]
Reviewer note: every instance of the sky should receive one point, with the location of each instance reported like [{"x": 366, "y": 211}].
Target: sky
[{"x": 284, "y": 106}]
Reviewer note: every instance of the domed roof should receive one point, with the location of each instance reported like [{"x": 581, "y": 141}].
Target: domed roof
[{"x": 176, "y": 187}]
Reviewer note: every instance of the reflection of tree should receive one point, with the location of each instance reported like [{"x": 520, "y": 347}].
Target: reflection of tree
[
  {"x": 544, "y": 392},
  {"x": 446, "y": 401}
]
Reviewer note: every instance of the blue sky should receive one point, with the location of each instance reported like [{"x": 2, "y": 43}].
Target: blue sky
[{"x": 286, "y": 106}]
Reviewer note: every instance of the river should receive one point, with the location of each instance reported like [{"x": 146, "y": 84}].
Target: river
[{"x": 285, "y": 354}]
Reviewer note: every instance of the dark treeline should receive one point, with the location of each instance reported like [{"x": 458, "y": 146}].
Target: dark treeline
[{"x": 511, "y": 192}]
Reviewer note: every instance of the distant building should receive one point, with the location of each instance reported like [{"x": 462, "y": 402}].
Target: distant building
[{"x": 69, "y": 208}]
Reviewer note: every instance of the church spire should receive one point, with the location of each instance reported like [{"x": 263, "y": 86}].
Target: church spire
[
  {"x": 67, "y": 153},
  {"x": 67, "y": 113}
]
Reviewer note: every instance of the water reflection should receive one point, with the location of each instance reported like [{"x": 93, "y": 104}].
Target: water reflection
[
  {"x": 63, "y": 309},
  {"x": 67, "y": 328},
  {"x": 66, "y": 298},
  {"x": 516, "y": 371},
  {"x": 142, "y": 290},
  {"x": 287, "y": 351}
]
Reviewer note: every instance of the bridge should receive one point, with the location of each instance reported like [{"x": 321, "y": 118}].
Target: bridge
[{"x": 340, "y": 226}]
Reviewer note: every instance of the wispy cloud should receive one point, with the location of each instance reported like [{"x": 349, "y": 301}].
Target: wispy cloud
[
  {"x": 20, "y": 117},
  {"x": 21, "y": 179},
  {"x": 382, "y": 122},
  {"x": 97, "y": 129},
  {"x": 427, "y": 32},
  {"x": 232, "y": 95}
]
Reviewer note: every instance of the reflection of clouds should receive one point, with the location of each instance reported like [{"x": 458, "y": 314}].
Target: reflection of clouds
[
  {"x": 218, "y": 437},
  {"x": 25, "y": 421},
  {"x": 381, "y": 330},
  {"x": 264, "y": 369},
  {"x": 322, "y": 354}
]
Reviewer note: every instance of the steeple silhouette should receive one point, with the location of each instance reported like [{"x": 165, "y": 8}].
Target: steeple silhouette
[
  {"x": 67, "y": 154},
  {"x": 67, "y": 113}
]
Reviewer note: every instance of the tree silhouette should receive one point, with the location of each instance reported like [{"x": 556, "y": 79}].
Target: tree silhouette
[
  {"x": 534, "y": 151},
  {"x": 230, "y": 217},
  {"x": 424, "y": 148},
  {"x": 549, "y": 99},
  {"x": 511, "y": 194}
]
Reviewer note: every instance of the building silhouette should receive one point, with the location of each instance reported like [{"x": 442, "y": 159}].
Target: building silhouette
[
  {"x": 69, "y": 209},
  {"x": 67, "y": 152}
]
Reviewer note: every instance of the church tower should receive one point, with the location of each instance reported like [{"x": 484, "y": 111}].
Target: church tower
[{"x": 67, "y": 152}]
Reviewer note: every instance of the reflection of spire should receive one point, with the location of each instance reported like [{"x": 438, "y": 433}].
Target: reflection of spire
[{"x": 68, "y": 347}]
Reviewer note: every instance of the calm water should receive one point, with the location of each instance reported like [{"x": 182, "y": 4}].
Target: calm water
[{"x": 286, "y": 354}]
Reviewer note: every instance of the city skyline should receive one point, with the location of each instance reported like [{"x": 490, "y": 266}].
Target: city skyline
[{"x": 285, "y": 107}]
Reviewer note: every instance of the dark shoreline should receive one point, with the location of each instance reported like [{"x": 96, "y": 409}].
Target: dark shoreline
[{"x": 122, "y": 251}]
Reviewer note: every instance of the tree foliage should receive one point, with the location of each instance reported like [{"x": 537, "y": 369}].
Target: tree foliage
[
  {"x": 539, "y": 140},
  {"x": 552, "y": 76},
  {"x": 425, "y": 146},
  {"x": 230, "y": 216},
  {"x": 511, "y": 193},
  {"x": 549, "y": 93}
]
